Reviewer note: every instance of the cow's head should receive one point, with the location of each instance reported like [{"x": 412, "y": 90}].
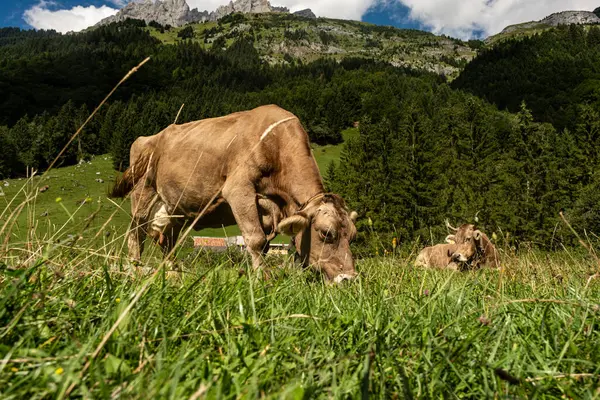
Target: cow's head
[
  {"x": 322, "y": 230},
  {"x": 467, "y": 245},
  {"x": 462, "y": 234},
  {"x": 465, "y": 251}
]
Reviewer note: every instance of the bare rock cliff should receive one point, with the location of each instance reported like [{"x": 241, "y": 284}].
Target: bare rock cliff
[
  {"x": 571, "y": 17},
  {"x": 167, "y": 12},
  {"x": 556, "y": 19},
  {"x": 247, "y": 7},
  {"x": 178, "y": 13}
]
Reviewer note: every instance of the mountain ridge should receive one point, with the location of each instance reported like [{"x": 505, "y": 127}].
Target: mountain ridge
[
  {"x": 178, "y": 13},
  {"x": 551, "y": 21},
  {"x": 286, "y": 38}
]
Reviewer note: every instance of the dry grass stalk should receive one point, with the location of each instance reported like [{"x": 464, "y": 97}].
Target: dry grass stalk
[{"x": 179, "y": 113}]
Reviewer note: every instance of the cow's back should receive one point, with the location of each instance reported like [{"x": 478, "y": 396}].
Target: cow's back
[
  {"x": 196, "y": 158},
  {"x": 434, "y": 256},
  {"x": 491, "y": 257}
]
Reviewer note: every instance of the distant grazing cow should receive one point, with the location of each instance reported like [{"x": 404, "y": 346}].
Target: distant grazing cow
[
  {"x": 487, "y": 255},
  {"x": 447, "y": 256},
  {"x": 254, "y": 169}
]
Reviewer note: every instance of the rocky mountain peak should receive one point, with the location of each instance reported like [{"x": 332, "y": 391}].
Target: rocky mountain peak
[
  {"x": 571, "y": 17},
  {"x": 247, "y": 7},
  {"x": 165, "y": 12},
  {"x": 178, "y": 13},
  {"x": 556, "y": 19},
  {"x": 307, "y": 13}
]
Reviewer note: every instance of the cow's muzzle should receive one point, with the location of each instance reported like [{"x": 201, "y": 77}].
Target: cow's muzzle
[
  {"x": 459, "y": 257},
  {"x": 343, "y": 278}
]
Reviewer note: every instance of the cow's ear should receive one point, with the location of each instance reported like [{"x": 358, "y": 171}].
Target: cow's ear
[
  {"x": 477, "y": 235},
  {"x": 451, "y": 239},
  {"x": 353, "y": 216},
  {"x": 293, "y": 225}
]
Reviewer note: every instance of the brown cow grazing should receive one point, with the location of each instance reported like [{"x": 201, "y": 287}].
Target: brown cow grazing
[
  {"x": 254, "y": 169},
  {"x": 447, "y": 256},
  {"x": 487, "y": 255}
]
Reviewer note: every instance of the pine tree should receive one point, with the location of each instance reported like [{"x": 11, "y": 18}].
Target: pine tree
[
  {"x": 22, "y": 136},
  {"x": 109, "y": 124},
  {"x": 9, "y": 162}
]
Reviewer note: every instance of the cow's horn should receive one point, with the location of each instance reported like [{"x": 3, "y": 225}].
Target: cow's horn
[
  {"x": 293, "y": 225},
  {"x": 450, "y": 226},
  {"x": 353, "y": 216}
]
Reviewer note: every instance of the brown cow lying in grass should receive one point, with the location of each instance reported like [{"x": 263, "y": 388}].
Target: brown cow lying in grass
[
  {"x": 486, "y": 256},
  {"x": 455, "y": 257}
]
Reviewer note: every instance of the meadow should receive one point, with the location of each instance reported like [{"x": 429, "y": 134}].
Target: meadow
[{"x": 78, "y": 320}]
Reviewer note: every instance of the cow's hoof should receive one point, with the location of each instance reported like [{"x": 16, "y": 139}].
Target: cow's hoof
[
  {"x": 174, "y": 275},
  {"x": 266, "y": 275},
  {"x": 142, "y": 272}
]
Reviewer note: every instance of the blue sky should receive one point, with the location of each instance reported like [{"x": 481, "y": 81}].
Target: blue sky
[
  {"x": 11, "y": 11},
  {"x": 458, "y": 18},
  {"x": 398, "y": 15}
]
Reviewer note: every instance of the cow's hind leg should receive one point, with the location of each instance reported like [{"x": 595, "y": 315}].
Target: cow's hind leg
[
  {"x": 242, "y": 200},
  {"x": 141, "y": 202}
]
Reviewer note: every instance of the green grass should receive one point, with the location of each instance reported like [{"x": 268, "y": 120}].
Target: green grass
[
  {"x": 73, "y": 196},
  {"x": 325, "y": 155},
  {"x": 218, "y": 332}
]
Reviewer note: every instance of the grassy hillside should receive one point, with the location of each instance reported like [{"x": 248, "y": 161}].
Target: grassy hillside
[
  {"x": 522, "y": 31},
  {"x": 281, "y": 39},
  {"x": 76, "y": 198},
  {"x": 517, "y": 31}
]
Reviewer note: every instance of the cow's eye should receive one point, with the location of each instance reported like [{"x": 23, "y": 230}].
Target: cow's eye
[{"x": 327, "y": 236}]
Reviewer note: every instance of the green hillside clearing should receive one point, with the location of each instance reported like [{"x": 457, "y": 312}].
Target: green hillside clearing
[{"x": 281, "y": 39}]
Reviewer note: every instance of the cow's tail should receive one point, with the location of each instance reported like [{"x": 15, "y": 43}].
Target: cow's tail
[{"x": 142, "y": 169}]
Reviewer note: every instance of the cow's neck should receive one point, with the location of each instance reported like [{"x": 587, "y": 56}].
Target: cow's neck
[
  {"x": 310, "y": 187},
  {"x": 304, "y": 183}
]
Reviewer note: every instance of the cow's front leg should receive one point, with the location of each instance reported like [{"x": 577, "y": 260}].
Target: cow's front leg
[
  {"x": 242, "y": 200},
  {"x": 135, "y": 239}
]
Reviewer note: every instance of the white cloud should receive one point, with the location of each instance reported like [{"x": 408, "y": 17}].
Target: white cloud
[
  {"x": 75, "y": 19},
  {"x": 345, "y": 9},
  {"x": 119, "y": 3},
  {"x": 462, "y": 18}
]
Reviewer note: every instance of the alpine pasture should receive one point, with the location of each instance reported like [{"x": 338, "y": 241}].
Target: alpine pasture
[{"x": 79, "y": 320}]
